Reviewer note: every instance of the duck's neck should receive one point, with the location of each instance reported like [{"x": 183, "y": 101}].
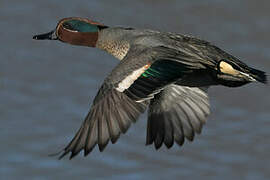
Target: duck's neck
[{"x": 113, "y": 42}]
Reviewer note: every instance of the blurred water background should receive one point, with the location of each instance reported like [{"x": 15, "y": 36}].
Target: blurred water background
[{"x": 46, "y": 89}]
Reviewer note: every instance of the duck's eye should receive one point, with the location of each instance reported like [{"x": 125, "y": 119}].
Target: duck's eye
[
  {"x": 226, "y": 68},
  {"x": 68, "y": 26}
]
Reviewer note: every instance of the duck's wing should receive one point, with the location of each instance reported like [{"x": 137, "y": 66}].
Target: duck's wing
[
  {"x": 111, "y": 114},
  {"x": 123, "y": 97},
  {"x": 176, "y": 113}
]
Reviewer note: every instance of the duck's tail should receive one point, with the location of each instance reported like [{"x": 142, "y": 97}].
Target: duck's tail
[{"x": 258, "y": 75}]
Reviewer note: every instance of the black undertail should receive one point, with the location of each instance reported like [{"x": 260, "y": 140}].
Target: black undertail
[{"x": 260, "y": 76}]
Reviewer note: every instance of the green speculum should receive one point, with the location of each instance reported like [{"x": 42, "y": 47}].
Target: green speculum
[
  {"x": 80, "y": 26},
  {"x": 165, "y": 70},
  {"x": 151, "y": 72}
]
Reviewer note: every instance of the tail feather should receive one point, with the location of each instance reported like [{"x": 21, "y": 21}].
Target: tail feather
[{"x": 260, "y": 76}]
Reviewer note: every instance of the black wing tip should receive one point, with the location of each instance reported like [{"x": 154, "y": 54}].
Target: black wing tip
[
  {"x": 191, "y": 138},
  {"x": 159, "y": 145},
  {"x": 115, "y": 138},
  {"x": 86, "y": 152},
  {"x": 101, "y": 147},
  {"x": 156, "y": 145},
  {"x": 63, "y": 154},
  {"x": 56, "y": 154},
  {"x": 169, "y": 145},
  {"x": 73, "y": 154},
  {"x": 180, "y": 142}
]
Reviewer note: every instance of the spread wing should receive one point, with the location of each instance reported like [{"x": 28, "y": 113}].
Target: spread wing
[
  {"x": 176, "y": 113},
  {"x": 123, "y": 97},
  {"x": 111, "y": 114}
]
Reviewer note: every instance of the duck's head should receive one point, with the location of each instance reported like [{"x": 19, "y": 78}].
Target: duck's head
[{"x": 74, "y": 30}]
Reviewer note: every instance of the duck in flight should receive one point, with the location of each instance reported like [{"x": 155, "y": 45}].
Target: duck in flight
[{"x": 167, "y": 73}]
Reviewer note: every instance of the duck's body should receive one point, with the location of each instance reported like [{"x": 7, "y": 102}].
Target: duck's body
[{"x": 169, "y": 72}]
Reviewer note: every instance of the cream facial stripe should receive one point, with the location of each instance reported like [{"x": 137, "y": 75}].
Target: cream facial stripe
[{"x": 128, "y": 81}]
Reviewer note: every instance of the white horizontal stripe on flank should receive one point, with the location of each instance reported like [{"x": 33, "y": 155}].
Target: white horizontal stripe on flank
[{"x": 129, "y": 80}]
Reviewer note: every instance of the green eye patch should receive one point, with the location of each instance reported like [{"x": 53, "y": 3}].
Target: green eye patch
[{"x": 80, "y": 26}]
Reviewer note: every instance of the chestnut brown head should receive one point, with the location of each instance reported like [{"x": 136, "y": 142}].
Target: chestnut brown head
[{"x": 74, "y": 30}]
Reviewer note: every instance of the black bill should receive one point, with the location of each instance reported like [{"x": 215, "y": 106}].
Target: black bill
[{"x": 47, "y": 36}]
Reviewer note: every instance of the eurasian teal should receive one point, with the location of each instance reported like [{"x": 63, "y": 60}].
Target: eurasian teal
[{"x": 168, "y": 73}]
